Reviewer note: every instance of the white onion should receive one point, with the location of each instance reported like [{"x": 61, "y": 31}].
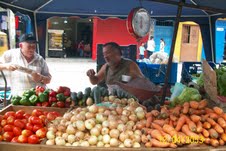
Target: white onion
[
  {"x": 113, "y": 112},
  {"x": 128, "y": 143},
  {"x": 99, "y": 126},
  {"x": 73, "y": 118},
  {"x": 80, "y": 125},
  {"x": 93, "y": 108},
  {"x": 70, "y": 129},
  {"x": 79, "y": 135},
  {"x": 95, "y": 131},
  {"x": 100, "y": 144},
  {"x": 68, "y": 144},
  {"x": 75, "y": 144},
  {"x": 113, "y": 124},
  {"x": 124, "y": 118},
  {"x": 136, "y": 145},
  {"x": 121, "y": 145},
  {"x": 114, "y": 142},
  {"x": 59, "y": 133},
  {"x": 123, "y": 136},
  {"x": 105, "y": 124},
  {"x": 114, "y": 133},
  {"x": 60, "y": 141},
  {"x": 100, "y": 117},
  {"x": 89, "y": 124},
  {"x": 101, "y": 109},
  {"x": 100, "y": 137},
  {"x": 104, "y": 131},
  {"x": 107, "y": 145},
  {"x": 136, "y": 138},
  {"x": 92, "y": 140},
  {"x": 119, "y": 110},
  {"x": 140, "y": 115},
  {"x": 50, "y": 135},
  {"x": 106, "y": 139},
  {"x": 67, "y": 116},
  {"x": 139, "y": 109},
  {"x": 80, "y": 117},
  {"x": 111, "y": 98},
  {"x": 133, "y": 117},
  {"x": 52, "y": 128},
  {"x": 71, "y": 138},
  {"x": 89, "y": 115},
  {"x": 61, "y": 128},
  {"x": 107, "y": 112},
  {"x": 84, "y": 144},
  {"x": 65, "y": 136},
  {"x": 121, "y": 127},
  {"x": 50, "y": 142},
  {"x": 138, "y": 132}
]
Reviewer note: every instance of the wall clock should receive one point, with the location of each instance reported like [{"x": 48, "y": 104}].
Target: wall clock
[{"x": 138, "y": 22}]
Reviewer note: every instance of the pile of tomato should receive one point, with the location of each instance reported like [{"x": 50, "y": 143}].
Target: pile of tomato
[{"x": 21, "y": 127}]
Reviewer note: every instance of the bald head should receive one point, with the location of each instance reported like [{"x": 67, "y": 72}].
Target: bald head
[{"x": 113, "y": 47}]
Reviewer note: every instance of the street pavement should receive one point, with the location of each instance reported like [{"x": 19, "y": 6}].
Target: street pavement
[{"x": 70, "y": 72}]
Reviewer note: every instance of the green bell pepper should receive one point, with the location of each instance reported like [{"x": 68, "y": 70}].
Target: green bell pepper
[
  {"x": 43, "y": 97},
  {"x": 28, "y": 93},
  {"x": 33, "y": 99},
  {"x": 16, "y": 100},
  {"x": 25, "y": 101},
  {"x": 60, "y": 97}
]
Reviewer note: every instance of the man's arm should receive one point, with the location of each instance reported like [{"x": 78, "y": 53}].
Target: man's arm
[
  {"x": 95, "y": 79},
  {"x": 135, "y": 71}
]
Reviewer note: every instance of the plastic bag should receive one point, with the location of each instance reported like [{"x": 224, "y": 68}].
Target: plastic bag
[{"x": 176, "y": 90}]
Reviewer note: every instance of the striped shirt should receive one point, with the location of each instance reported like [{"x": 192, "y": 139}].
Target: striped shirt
[{"x": 20, "y": 81}]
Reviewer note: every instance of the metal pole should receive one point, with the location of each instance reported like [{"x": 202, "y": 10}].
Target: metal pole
[
  {"x": 5, "y": 89},
  {"x": 177, "y": 20},
  {"x": 211, "y": 39}
]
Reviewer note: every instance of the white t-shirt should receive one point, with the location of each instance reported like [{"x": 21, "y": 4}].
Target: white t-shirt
[
  {"x": 162, "y": 46},
  {"x": 151, "y": 45}
]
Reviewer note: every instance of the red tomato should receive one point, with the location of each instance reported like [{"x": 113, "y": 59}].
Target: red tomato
[
  {"x": 8, "y": 128},
  {"x": 14, "y": 140},
  {"x": 36, "y": 127},
  {"x": 38, "y": 104},
  {"x": 35, "y": 120},
  {"x": 1, "y": 117},
  {"x": 51, "y": 116},
  {"x": 26, "y": 115},
  {"x": 22, "y": 139},
  {"x": 19, "y": 123},
  {"x": 7, "y": 114},
  {"x": 1, "y": 138},
  {"x": 26, "y": 132},
  {"x": 17, "y": 131},
  {"x": 19, "y": 114},
  {"x": 8, "y": 136},
  {"x": 37, "y": 112},
  {"x": 3, "y": 122},
  {"x": 45, "y": 104},
  {"x": 60, "y": 104},
  {"x": 29, "y": 126},
  {"x": 43, "y": 118},
  {"x": 0, "y": 129},
  {"x": 41, "y": 133},
  {"x": 24, "y": 120},
  {"x": 10, "y": 119},
  {"x": 33, "y": 139},
  {"x": 45, "y": 113}
]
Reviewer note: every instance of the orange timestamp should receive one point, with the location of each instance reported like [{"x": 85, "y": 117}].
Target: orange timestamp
[{"x": 186, "y": 139}]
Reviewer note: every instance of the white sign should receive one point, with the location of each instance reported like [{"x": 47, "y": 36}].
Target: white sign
[{"x": 220, "y": 29}]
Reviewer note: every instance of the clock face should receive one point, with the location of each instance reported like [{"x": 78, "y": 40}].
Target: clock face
[{"x": 141, "y": 22}]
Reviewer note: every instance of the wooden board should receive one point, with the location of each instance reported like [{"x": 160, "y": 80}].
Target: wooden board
[{"x": 29, "y": 109}]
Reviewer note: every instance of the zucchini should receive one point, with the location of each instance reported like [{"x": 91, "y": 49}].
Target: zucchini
[
  {"x": 80, "y": 95},
  {"x": 87, "y": 91},
  {"x": 96, "y": 94}
]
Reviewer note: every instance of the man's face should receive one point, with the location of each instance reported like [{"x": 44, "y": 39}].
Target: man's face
[
  {"x": 28, "y": 49},
  {"x": 110, "y": 56}
]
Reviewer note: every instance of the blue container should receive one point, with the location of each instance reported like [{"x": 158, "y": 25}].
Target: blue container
[{"x": 156, "y": 72}]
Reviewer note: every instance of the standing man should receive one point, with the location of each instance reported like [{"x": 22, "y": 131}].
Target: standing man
[
  {"x": 142, "y": 50},
  {"x": 150, "y": 46},
  {"x": 25, "y": 56}
]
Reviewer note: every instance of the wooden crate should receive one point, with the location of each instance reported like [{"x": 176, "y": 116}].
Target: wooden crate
[{"x": 29, "y": 109}]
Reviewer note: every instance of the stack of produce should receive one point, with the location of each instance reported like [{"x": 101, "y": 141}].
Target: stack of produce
[
  {"x": 21, "y": 127},
  {"x": 190, "y": 123},
  {"x": 99, "y": 126}
]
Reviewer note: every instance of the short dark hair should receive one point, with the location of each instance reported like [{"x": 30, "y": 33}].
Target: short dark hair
[{"x": 114, "y": 46}]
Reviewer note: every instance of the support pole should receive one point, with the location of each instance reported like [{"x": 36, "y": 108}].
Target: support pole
[{"x": 177, "y": 20}]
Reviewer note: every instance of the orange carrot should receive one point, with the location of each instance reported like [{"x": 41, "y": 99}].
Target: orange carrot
[
  {"x": 219, "y": 129},
  {"x": 223, "y": 137},
  {"x": 224, "y": 116},
  {"x": 211, "y": 121},
  {"x": 205, "y": 133},
  {"x": 173, "y": 117},
  {"x": 199, "y": 127},
  {"x": 160, "y": 144},
  {"x": 191, "y": 125},
  {"x": 195, "y": 118},
  {"x": 157, "y": 135},
  {"x": 221, "y": 142},
  {"x": 208, "y": 110},
  {"x": 214, "y": 142},
  {"x": 176, "y": 111},
  {"x": 160, "y": 122},
  {"x": 218, "y": 110},
  {"x": 170, "y": 130},
  {"x": 182, "y": 137},
  {"x": 206, "y": 125},
  {"x": 144, "y": 138},
  {"x": 202, "y": 104},
  {"x": 180, "y": 123},
  {"x": 156, "y": 126},
  {"x": 186, "y": 106},
  {"x": 149, "y": 121},
  {"x": 188, "y": 132},
  {"x": 194, "y": 104},
  {"x": 221, "y": 122},
  {"x": 213, "y": 133},
  {"x": 148, "y": 144},
  {"x": 213, "y": 116},
  {"x": 207, "y": 140},
  {"x": 172, "y": 145},
  {"x": 148, "y": 114},
  {"x": 171, "y": 123}
]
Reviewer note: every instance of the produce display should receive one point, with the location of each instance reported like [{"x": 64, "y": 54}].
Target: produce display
[{"x": 21, "y": 127}]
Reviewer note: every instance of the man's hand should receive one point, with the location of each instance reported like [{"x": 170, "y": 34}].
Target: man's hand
[
  {"x": 90, "y": 73},
  {"x": 37, "y": 77},
  {"x": 10, "y": 67}
]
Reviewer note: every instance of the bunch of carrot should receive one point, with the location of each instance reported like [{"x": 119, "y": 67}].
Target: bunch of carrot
[{"x": 190, "y": 123}]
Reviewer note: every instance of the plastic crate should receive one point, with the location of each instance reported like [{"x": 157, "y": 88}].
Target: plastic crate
[{"x": 156, "y": 72}]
